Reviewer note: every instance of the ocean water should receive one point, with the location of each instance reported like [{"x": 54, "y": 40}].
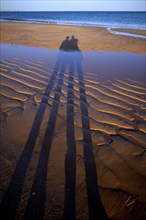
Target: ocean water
[
  {"x": 134, "y": 20},
  {"x": 108, "y": 19}
]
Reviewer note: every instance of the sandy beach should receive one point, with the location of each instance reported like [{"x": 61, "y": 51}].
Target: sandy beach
[
  {"x": 73, "y": 124},
  {"x": 50, "y": 36}
]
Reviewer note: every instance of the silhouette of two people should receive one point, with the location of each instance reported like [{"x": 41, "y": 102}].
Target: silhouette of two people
[{"x": 69, "y": 44}]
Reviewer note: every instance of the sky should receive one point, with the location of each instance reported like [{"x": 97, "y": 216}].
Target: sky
[{"x": 73, "y": 5}]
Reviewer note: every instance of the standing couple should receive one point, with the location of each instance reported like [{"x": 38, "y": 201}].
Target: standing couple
[{"x": 69, "y": 44}]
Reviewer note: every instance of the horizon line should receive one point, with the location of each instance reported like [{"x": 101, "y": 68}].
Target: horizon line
[{"x": 72, "y": 11}]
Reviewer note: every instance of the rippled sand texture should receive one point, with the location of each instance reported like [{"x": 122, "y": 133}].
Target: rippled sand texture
[{"x": 72, "y": 145}]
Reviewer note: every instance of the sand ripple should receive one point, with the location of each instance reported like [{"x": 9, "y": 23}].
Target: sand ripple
[{"x": 110, "y": 114}]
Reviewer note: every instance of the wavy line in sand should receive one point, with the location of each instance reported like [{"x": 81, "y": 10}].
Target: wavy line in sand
[
  {"x": 20, "y": 79},
  {"x": 134, "y": 136},
  {"x": 135, "y": 82},
  {"x": 25, "y": 75},
  {"x": 126, "y": 88},
  {"x": 10, "y": 104},
  {"x": 107, "y": 108},
  {"x": 140, "y": 88},
  {"x": 140, "y": 113},
  {"x": 10, "y": 93},
  {"x": 109, "y": 119},
  {"x": 118, "y": 147},
  {"x": 24, "y": 67},
  {"x": 17, "y": 86},
  {"x": 125, "y": 93},
  {"x": 108, "y": 92},
  {"x": 105, "y": 98}
]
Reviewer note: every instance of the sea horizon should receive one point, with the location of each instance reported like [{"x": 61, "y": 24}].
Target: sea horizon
[{"x": 108, "y": 19}]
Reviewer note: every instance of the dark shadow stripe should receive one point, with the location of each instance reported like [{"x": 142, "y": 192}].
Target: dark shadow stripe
[
  {"x": 96, "y": 209},
  {"x": 12, "y": 196},
  {"x": 70, "y": 158},
  {"x": 36, "y": 203}
]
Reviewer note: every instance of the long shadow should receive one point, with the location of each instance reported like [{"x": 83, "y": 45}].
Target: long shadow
[
  {"x": 70, "y": 158},
  {"x": 69, "y": 55},
  {"x": 96, "y": 209},
  {"x": 36, "y": 204},
  {"x": 12, "y": 196}
]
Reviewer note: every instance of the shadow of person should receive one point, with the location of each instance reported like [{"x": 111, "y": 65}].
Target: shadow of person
[
  {"x": 69, "y": 57},
  {"x": 36, "y": 204},
  {"x": 95, "y": 207},
  {"x": 65, "y": 44},
  {"x": 74, "y": 44},
  {"x": 69, "y": 44}
]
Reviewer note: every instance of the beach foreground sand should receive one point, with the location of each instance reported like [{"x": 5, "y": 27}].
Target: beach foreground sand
[
  {"x": 73, "y": 125},
  {"x": 50, "y": 36}
]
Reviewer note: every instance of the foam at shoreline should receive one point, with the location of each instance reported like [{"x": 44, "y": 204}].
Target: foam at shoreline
[{"x": 121, "y": 32}]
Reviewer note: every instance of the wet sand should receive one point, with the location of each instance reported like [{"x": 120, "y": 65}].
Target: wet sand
[{"x": 73, "y": 133}]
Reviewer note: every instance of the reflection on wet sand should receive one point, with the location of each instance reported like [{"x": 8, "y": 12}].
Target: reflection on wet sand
[{"x": 105, "y": 118}]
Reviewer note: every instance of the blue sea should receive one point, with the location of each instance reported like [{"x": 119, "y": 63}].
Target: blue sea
[
  {"x": 134, "y": 20},
  {"x": 107, "y": 19}
]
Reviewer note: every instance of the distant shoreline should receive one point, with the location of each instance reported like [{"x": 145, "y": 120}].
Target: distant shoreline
[
  {"x": 107, "y": 19},
  {"x": 141, "y": 32},
  {"x": 74, "y": 23}
]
